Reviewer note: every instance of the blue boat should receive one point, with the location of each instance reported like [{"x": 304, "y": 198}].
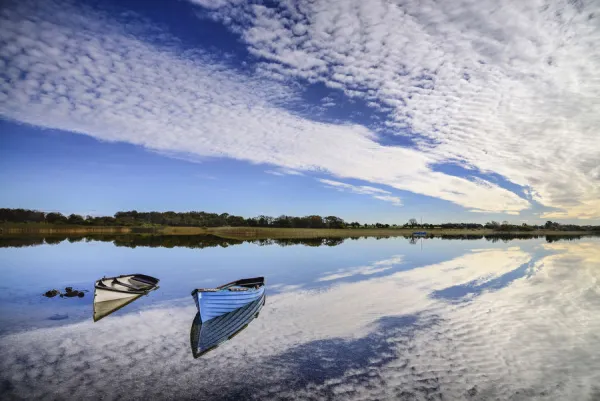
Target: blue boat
[
  {"x": 214, "y": 302},
  {"x": 419, "y": 234},
  {"x": 206, "y": 336}
]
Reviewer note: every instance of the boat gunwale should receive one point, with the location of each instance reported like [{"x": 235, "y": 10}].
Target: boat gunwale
[
  {"x": 259, "y": 281},
  {"x": 128, "y": 291}
]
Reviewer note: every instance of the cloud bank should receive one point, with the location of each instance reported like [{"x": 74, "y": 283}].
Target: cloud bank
[
  {"x": 506, "y": 88},
  {"x": 118, "y": 78}
]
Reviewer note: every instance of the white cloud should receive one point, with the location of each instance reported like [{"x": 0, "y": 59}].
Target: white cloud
[
  {"x": 376, "y": 193},
  {"x": 509, "y": 88},
  {"x": 72, "y": 68},
  {"x": 394, "y": 200},
  {"x": 205, "y": 176},
  {"x": 283, "y": 172},
  {"x": 585, "y": 210},
  {"x": 358, "y": 189}
]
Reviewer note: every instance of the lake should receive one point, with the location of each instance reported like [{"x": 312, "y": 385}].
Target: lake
[{"x": 366, "y": 318}]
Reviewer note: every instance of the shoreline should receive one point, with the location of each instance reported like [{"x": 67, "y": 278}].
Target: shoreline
[{"x": 263, "y": 232}]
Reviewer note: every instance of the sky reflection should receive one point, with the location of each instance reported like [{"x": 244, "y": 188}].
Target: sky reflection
[{"x": 526, "y": 328}]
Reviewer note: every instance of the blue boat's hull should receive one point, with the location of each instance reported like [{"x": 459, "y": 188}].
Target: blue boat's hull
[{"x": 214, "y": 304}]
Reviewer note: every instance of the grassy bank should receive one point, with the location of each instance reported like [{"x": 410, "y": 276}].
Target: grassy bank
[
  {"x": 258, "y": 232},
  {"x": 26, "y": 228}
]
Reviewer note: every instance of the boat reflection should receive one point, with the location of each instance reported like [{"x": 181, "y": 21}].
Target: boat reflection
[
  {"x": 103, "y": 309},
  {"x": 205, "y": 337}
]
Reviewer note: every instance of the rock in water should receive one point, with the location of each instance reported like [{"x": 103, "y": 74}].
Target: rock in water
[{"x": 51, "y": 293}]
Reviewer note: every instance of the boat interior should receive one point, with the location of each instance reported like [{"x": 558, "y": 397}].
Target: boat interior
[{"x": 238, "y": 285}]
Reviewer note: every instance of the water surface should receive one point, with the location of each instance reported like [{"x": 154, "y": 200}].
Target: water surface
[{"x": 387, "y": 318}]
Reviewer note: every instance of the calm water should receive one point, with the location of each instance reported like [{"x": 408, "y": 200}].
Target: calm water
[{"x": 365, "y": 319}]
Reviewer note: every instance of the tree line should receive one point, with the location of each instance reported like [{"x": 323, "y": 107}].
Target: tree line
[
  {"x": 204, "y": 219},
  {"x": 178, "y": 219}
]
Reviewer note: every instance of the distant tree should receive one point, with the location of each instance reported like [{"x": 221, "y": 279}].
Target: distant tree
[
  {"x": 54, "y": 218},
  {"x": 125, "y": 218},
  {"x": 316, "y": 221},
  {"x": 236, "y": 221},
  {"x": 413, "y": 222},
  {"x": 75, "y": 219},
  {"x": 264, "y": 221},
  {"x": 492, "y": 224},
  {"x": 282, "y": 222},
  {"x": 334, "y": 222}
]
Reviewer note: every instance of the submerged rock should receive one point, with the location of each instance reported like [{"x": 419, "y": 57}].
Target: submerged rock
[
  {"x": 71, "y": 294},
  {"x": 51, "y": 293},
  {"x": 58, "y": 316},
  {"x": 68, "y": 293}
]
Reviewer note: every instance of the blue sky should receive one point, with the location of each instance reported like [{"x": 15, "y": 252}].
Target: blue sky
[{"x": 365, "y": 110}]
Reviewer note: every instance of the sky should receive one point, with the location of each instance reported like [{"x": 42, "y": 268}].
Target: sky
[{"x": 372, "y": 110}]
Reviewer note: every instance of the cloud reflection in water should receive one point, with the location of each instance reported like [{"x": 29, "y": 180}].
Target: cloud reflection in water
[{"x": 533, "y": 336}]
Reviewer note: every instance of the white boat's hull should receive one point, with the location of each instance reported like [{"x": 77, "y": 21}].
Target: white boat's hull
[{"x": 101, "y": 295}]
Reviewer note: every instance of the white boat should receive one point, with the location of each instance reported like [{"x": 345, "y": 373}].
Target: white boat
[
  {"x": 113, "y": 293},
  {"x": 214, "y": 302}
]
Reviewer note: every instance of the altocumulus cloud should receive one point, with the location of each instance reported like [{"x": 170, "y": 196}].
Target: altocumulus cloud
[
  {"x": 509, "y": 88},
  {"x": 119, "y": 78}
]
